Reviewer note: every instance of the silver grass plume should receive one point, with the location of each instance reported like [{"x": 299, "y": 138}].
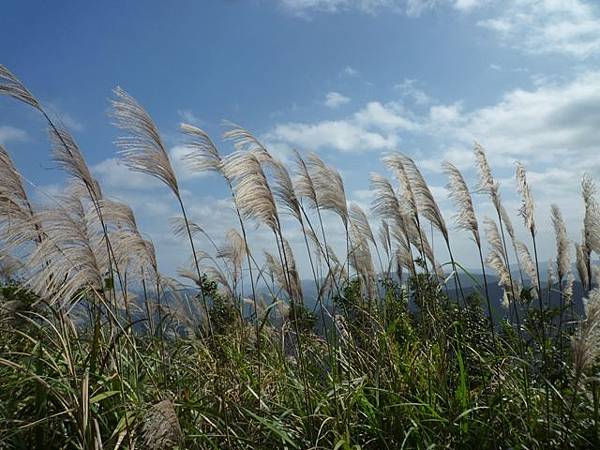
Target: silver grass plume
[
  {"x": 385, "y": 202},
  {"x": 404, "y": 259},
  {"x": 493, "y": 237},
  {"x": 386, "y": 205},
  {"x": 253, "y": 195},
  {"x": 361, "y": 259},
  {"x": 361, "y": 222},
  {"x": 487, "y": 183},
  {"x": 551, "y": 275},
  {"x": 11, "y": 186},
  {"x": 179, "y": 229},
  {"x": 283, "y": 189},
  {"x": 68, "y": 156},
  {"x": 116, "y": 213},
  {"x": 395, "y": 163},
  {"x": 527, "y": 208},
  {"x": 568, "y": 289},
  {"x": 234, "y": 251},
  {"x": 582, "y": 265},
  {"x": 563, "y": 260},
  {"x": 385, "y": 237},
  {"x": 293, "y": 274},
  {"x": 410, "y": 206},
  {"x": 243, "y": 139},
  {"x": 71, "y": 258},
  {"x": 204, "y": 155},
  {"x": 507, "y": 222},
  {"x": 131, "y": 250},
  {"x": 305, "y": 187},
  {"x": 18, "y": 222},
  {"x": 403, "y": 252},
  {"x": 133, "y": 253},
  {"x": 459, "y": 193},
  {"x": 329, "y": 186},
  {"x": 496, "y": 261},
  {"x": 586, "y": 342},
  {"x": 591, "y": 221},
  {"x": 426, "y": 203},
  {"x": 277, "y": 272},
  {"x": 142, "y": 149},
  {"x": 11, "y": 86},
  {"x": 161, "y": 429},
  {"x": 528, "y": 264}
]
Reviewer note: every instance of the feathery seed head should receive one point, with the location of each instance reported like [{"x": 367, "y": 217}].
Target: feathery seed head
[
  {"x": 459, "y": 193},
  {"x": 586, "y": 342},
  {"x": 563, "y": 260},
  {"x": 142, "y": 148},
  {"x": 204, "y": 155},
  {"x": 527, "y": 208},
  {"x": 11, "y": 86}
]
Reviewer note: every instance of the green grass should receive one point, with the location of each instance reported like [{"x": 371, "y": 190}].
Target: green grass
[{"x": 407, "y": 381}]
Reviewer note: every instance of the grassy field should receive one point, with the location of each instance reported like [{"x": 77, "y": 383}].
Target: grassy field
[{"x": 99, "y": 350}]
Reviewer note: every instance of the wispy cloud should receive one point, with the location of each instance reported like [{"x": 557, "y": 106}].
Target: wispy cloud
[
  {"x": 188, "y": 116},
  {"x": 413, "y": 8},
  {"x": 335, "y": 99},
  {"x": 349, "y": 71},
  {"x": 410, "y": 89},
  {"x": 369, "y": 6},
  {"x": 8, "y": 134},
  {"x": 570, "y": 27},
  {"x": 58, "y": 113}
]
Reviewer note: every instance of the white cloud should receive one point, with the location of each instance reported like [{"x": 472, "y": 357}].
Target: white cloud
[
  {"x": 409, "y": 88},
  {"x": 334, "y": 99},
  {"x": 468, "y": 5},
  {"x": 548, "y": 124},
  {"x": 445, "y": 114},
  {"x": 555, "y": 122},
  {"x": 341, "y": 135},
  {"x": 374, "y": 127},
  {"x": 570, "y": 27},
  {"x": 8, "y": 133},
  {"x": 390, "y": 116},
  {"x": 114, "y": 175}
]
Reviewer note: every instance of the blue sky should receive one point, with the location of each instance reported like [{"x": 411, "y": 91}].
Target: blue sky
[{"x": 349, "y": 79}]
